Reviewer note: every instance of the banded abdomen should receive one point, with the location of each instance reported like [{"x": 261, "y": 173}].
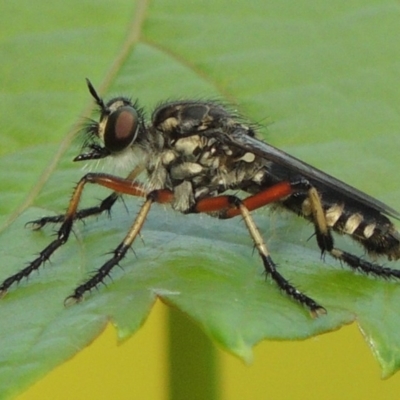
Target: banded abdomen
[{"x": 372, "y": 229}]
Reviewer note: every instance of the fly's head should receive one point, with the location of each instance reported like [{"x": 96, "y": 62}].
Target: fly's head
[{"x": 121, "y": 123}]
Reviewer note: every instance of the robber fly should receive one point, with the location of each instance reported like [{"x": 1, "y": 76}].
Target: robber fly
[{"x": 195, "y": 151}]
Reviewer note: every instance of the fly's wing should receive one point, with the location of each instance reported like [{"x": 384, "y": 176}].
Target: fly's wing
[{"x": 270, "y": 153}]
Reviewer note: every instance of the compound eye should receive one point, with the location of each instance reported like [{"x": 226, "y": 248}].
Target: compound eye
[{"x": 121, "y": 129}]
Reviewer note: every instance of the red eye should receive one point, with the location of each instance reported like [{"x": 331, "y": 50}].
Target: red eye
[{"x": 121, "y": 129}]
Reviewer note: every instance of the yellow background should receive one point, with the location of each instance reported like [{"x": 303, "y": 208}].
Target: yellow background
[{"x": 338, "y": 365}]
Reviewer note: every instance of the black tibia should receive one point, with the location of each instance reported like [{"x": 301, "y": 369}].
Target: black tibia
[
  {"x": 118, "y": 254},
  {"x": 270, "y": 267},
  {"x": 44, "y": 255},
  {"x": 105, "y": 205},
  {"x": 99, "y": 276},
  {"x": 290, "y": 290}
]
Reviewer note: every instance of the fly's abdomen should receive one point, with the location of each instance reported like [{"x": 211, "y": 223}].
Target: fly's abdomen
[{"x": 373, "y": 230}]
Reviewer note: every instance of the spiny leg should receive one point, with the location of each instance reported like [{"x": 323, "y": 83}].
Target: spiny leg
[
  {"x": 104, "y": 206},
  {"x": 159, "y": 196},
  {"x": 44, "y": 255},
  {"x": 270, "y": 267},
  {"x": 119, "y": 185},
  {"x": 206, "y": 205},
  {"x": 231, "y": 206},
  {"x": 118, "y": 255},
  {"x": 358, "y": 264}
]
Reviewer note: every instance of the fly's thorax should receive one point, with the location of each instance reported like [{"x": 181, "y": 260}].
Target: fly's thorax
[
  {"x": 181, "y": 118},
  {"x": 198, "y": 166},
  {"x": 198, "y": 150}
]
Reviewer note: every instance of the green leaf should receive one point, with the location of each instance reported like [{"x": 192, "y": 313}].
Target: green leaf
[{"x": 319, "y": 76}]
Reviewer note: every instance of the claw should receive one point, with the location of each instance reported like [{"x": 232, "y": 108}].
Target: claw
[{"x": 72, "y": 300}]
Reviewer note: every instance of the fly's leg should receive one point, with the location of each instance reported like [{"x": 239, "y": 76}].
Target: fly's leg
[
  {"x": 358, "y": 264},
  {"x": 231, "y": 206},
  {"x": 104, "y": 206},
  {"x": 116, "y": 184},
  {"x": 158, "y": 196},
  {"x": 270, "y": 267},
  {"x": 322, "y": 230}
]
